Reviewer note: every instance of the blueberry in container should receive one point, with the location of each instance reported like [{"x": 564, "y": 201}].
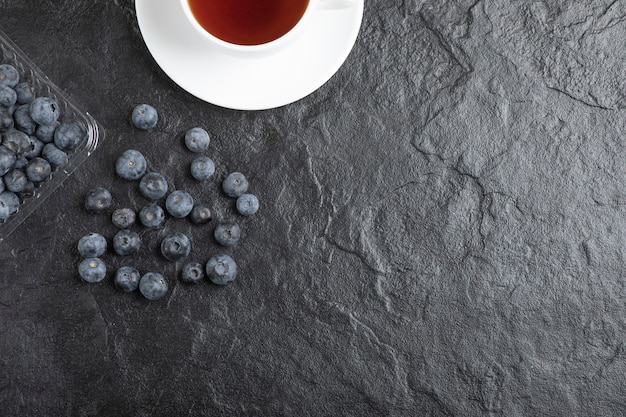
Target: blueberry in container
[{"x": 69, "y": 112}]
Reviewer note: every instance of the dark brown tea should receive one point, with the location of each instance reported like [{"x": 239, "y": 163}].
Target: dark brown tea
[{"x": 248, "y": 22}]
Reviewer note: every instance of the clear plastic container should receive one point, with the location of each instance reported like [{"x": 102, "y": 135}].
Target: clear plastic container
[{"x": 69, "y": 111}]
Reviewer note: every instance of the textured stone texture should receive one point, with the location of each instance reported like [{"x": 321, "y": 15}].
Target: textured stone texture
[{"x": 441, "y": 230}]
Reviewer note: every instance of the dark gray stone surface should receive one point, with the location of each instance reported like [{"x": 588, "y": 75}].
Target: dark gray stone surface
[{"x": 441, "y": 230}]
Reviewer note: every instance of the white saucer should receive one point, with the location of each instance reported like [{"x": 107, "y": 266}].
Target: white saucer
[{"x": 247, "y": 82}]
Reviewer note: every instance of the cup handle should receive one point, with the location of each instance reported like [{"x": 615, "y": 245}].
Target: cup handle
[{"x": 336, "y": 4}]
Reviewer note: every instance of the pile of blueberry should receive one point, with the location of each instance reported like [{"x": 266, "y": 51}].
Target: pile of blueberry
[
  {"x": 34, "y": 141},
  {"x": 131, "y": 165}
]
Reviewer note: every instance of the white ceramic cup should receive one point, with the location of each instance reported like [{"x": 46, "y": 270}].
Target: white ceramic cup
[{"x": 276, "y": 44}]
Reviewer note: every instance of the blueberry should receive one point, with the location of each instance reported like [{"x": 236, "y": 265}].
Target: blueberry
[
  {"x": 92, "y": 245},
  {"x": 197, "y": 139},
  {"x": 131, "y": 165},
  {"x": 151, "y": 215},
  {"x": 6, "y": 120},
  {"x": 21, "y": 162},
  {"x": 123, "y": 218},
  {"x": 235, "y": 184},
  {"x": 92, "y": 269},
  {"x": 179, "y": 204},
  {"x": 11, "y": 200},
  {"x": 175, "y": 247},
  {"x": 247, "y": 204},
  {"x": 8, "y": 96},
  {"x": 127, "y": 278},
  {"x": 25, "y": 92},
  {"x": 202, "y": 168},
  {"x": 200, "y": 214},
  {"x": 28, "y": 190},
  {"x": 16, "y": 180},
  {"x": 192, "y": 273},
  {"x": 45, "y": 133},
  {"x": 9, "y": 75},
  {"x": 54, "y": 155},
  {"x": 221, "y": 269},
  {"x": 23, "y": 120},
  {"x": 152, "y": 286},
  {"x": 227, "y": 234},
  {"x": 38, "y": 170},
  {"x": 5, "y": 211},
  {"x": 34, "y": 147},
  {"x": 126, "y": 242},
  {"x": 98, "y": 200},
  {"x": 68, "y": 136},
  {"x": 44, "y": 110},
  {"x": 17, "y": 141},
  {"x": 7, "y": 159},
  {"x": 153, "y": 186},
  {"x": 144, "y": 117}
]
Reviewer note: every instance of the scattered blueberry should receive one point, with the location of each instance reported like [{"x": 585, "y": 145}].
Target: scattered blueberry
[
  {"x": 92, "y": 269},
  {"x": 200, "y": 214},
  {"x": 227, "y": 234},
  {"x": 127, "y": 278},
  {"x": 247, "y": 204},
  {"x": 54, "y": 155},
  {"x": 38, "y": 170},
  {"x": 98, "y": 200},
  {"x": 7, "y": 159},
  {"x": 16, "y": 140},
  {"x": 202, "y": 168},
  {"x": 192, "y": 273},
  {"x": 15, "y": 180},
  {"x": 235, "y": 184},
  {"x": 6, "y": 120},
  {"x": 11, "y": 200},
  {"x": 44, "y": 110},
  {"x": 175, "y": 247},
  {"x": 131, "y": 165},
  {"x": 221, "y": 269},
  {"x": 179, "y": 204},
  {"x": 9, "y": 75},
  {"x": 92, "y": 245},
  {"x": 123, "y": 218},
  {"x": 153, "y": 186},
  {"x": 197, "y": 139},
  {"x": 152, "y": 286},
  {"x": 151, "y": 216},
  {"x": 34, "y": 147},
  {"x": 68, "y": 136},
  {"x": 144, "y": 117},
  {"x": 45, "y": 133},
  {"x": 126, "y": 242},
  {"x": 8, "y": 96},
  {"x": 23, "y": 119},
  {"x": 25, "y": 93}
]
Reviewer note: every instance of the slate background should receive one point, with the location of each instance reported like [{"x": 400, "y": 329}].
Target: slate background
[{"x": 441, "y": 229}]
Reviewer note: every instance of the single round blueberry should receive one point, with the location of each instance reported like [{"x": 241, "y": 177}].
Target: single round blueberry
[
  {"x": 25, "y": 93},
  {"x": 92, "y": 245},
  {"x": 221, "y": 269},
  {"x": 202, "y": 168},
  {"x": 44, "y": 110},
  {"x": 38, "y": 170},
  {"x": 247, "y": 204},
  {"x": 227, "y": 234},
  {"x": 126, "y": 242},
  {"x": 34, "y": 147},
  {"x": 16, "y": 180},
  {"x": 192, "y": 273},
  {"x": 92, "y": 270},
  {"x": 152, "y": 286},
  {"x": 197, "y": 139},
  {"x": 175, "y": 247},
  {"x": 9, "y": 75},
  {"x": 68, "y": 136},
  {"x": 235, "y": 184},
  {"x": 6, "y": 120},
  {"x": 153, "y": 186},
  {"x": 131, "y": 165},
  {"x": 7, "y": 159},
  {"x": 17, "y": 141},
  {"x": 179, "y": 204},
  {"x": 152, "y": 216},
  {"x": 45, "y": 133},
  {"x": 23, "y": 120},
  {"x": 11, "y": 200},
  {"x": 144, "y": 117},
  {"x": 8, "y": 96},
  {"x": 54, "y": 155},
  {"x": 98, "y": 200},
  {"x": 123, "y": 218},
  {"x": 127, "y": 278},
  {"x": 201, "y": 214}
]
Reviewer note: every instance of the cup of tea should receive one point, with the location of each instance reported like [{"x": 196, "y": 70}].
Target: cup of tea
[{"x": 253, "y": 25}]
